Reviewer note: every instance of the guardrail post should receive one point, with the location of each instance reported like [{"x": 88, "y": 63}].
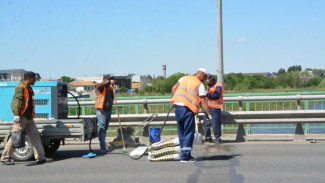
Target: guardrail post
[
  {"x": 241, "y": 135},
  {"x": 145, "y": 108},
  {"x": 240, "y": 103},
  {"x": 299, "y": 134},
  {"x": 307, "y": 125},
  {"x": 298, "y": 102},
  {"x": 145, "y": 132}
]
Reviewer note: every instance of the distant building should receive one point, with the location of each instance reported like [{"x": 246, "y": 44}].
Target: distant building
[
  {"x": 81, "y": 87},
  {"x": 267, "y": 74},
  {"x": 137, "y": 82},
  {"x": 95, "y": 79},
  {"x": 14, "y": 75},
  {"x": 123, "y": 81}
]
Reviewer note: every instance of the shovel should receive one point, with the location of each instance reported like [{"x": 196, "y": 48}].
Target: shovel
[{"x": 198, "y": 139}]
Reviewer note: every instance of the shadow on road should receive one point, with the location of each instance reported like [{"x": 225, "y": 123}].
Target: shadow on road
[
  {"x": 217, "y": 157},
  {"x": 68, "y": 154}
]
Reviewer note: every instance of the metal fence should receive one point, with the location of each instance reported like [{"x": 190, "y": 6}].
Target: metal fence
[{"x": 231, "y": 103}]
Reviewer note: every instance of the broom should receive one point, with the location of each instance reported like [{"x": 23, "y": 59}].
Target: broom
[{"x": 123, "y": 150}]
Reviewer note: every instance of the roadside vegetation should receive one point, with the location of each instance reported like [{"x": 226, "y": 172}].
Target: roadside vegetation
[{"x": 292, "y": 79}]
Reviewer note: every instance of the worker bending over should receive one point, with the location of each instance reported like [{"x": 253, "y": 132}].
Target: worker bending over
[{"x": 187, "y": 94}]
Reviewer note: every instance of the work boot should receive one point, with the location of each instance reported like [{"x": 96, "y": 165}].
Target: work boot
[
  {"x": 191, "y": 160},
  {"x": 103, "y": 151},
  {"x": 9, "y": 161},
  {"x": 208, "y": 140},
  {"x": 45, "y": 160},
  {"x": 41, "y": 162}
]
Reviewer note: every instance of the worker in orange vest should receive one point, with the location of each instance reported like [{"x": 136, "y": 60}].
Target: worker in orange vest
[
  {"x": 103, "y": 104},
  {"x": 23, "y": 109},
  {"x": 187, "y": 93},
  {"x": 215, "y": 103}
]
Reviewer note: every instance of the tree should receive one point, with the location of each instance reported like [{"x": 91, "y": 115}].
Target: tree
[
  {"x": 313, "y": 82},
  {"x": 294, "y": 68},
  {"x": 67, "y": 79},
  {"x": 292, "y": 79},
  {"x": 123, "y": 89},
  {"x": 147, "y": 89},
  {"x": 232, "y": 80},
  {"x": 319, "y": 73},
  {"x": 281, "y": 72}
]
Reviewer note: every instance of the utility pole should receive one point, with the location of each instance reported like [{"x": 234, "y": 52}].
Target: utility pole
[{"x": 220, "y": 44}]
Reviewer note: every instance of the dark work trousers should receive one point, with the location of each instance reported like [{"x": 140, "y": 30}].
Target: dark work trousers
[
  {"x": 186, "y": 129},
  {"x": 216, "y": 124}
]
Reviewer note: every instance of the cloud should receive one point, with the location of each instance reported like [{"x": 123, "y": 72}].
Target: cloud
[
  {"x": 31, "y": 47},
  {"x": 240, "y": 40}
]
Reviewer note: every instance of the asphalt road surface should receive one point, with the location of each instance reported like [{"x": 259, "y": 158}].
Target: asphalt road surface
[{"x": 252, "y": 162}]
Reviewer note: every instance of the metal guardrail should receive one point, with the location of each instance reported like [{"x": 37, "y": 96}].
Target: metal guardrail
[
  {"x": 238, "y": 99},
  {"x": 237, "y": 117}
]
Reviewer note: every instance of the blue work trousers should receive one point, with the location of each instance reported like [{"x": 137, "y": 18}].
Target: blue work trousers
[
  {"x": 186, "y": 129},
  {"x": 216, "y": 124},
  {"x": 104, "y": 117}
]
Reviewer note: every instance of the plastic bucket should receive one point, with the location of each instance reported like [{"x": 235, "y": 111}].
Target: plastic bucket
[{"x": 153, "y": 132}]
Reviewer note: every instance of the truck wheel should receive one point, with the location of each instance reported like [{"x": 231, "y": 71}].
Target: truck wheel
[
  {"x": 51, "y": 147},
  {"x": 24, "y": 153}
]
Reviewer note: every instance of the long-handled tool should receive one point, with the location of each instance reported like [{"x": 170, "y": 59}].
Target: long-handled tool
[
  {"x": 197, "y": 137},
  {"x": 119, "y": 121},
  {"x": 139, "y": 128},
  {"x": 140, "y": 151}
]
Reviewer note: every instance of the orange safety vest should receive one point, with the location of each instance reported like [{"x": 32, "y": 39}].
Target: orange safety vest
[
  {"x": 100, "y": 99},
  {"x": 24, "y": 104},
  {"x": 188, "y": 93},
  {"x": 217, "y": 104}
]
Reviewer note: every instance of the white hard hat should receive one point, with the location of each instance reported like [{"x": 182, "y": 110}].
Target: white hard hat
[{"x": 203, "y": 70}]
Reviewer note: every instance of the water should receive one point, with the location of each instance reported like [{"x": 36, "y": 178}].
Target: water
[{"x": 315, "y": 128}]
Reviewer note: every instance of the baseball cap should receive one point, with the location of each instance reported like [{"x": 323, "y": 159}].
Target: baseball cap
[
  {"x": 29, "y": 74},
  {"x": 203, "y": 70},
  {"x": 209, "y": 77},
  {"x": 108, "y": 77}
]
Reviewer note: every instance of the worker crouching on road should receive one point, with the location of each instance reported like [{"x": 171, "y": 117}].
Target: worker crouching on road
[
  {"x": 187, "y": 94},
  {"x": 23, "y": 109},
  {"x": 103, "y": 104},
  {"x": 215, "y": 102}
]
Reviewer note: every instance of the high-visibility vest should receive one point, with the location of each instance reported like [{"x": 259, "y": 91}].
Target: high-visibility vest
[
  {"x": 188, "y": 93},
  {"x": 217, "y": 104},
  {"x": 100, "y": 99},
  {"x": 24, "y": 103}
]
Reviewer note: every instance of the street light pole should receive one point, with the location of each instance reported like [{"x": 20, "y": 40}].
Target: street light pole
[{"x": 220, "y": 44}]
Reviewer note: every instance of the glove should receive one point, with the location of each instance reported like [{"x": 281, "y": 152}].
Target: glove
[
  {"x": 16, "y": 119},
  {"x": 209, "y": 119}
]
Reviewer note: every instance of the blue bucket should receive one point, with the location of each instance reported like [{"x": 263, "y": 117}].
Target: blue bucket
[{"x": 153, "y": 132}]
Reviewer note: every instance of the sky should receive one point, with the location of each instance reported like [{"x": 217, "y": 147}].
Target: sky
[{"x": 78, "y": 38}]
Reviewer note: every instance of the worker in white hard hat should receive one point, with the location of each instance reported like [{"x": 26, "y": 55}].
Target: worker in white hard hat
[{"x": 187, "y": 93}]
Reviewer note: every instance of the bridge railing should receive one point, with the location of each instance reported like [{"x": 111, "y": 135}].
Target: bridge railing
[{"x": 239, "y": 118}]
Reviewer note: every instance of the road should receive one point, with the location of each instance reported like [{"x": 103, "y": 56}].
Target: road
[{"x": 250, "y": 162}]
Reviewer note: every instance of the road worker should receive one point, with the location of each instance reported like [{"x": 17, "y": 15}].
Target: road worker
[
  {"x": 23, "y": 109},
  {"x": 187, "y": 93},
  {"x": 103, "y": 104},
  {"x": 215, "y": 102}
]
